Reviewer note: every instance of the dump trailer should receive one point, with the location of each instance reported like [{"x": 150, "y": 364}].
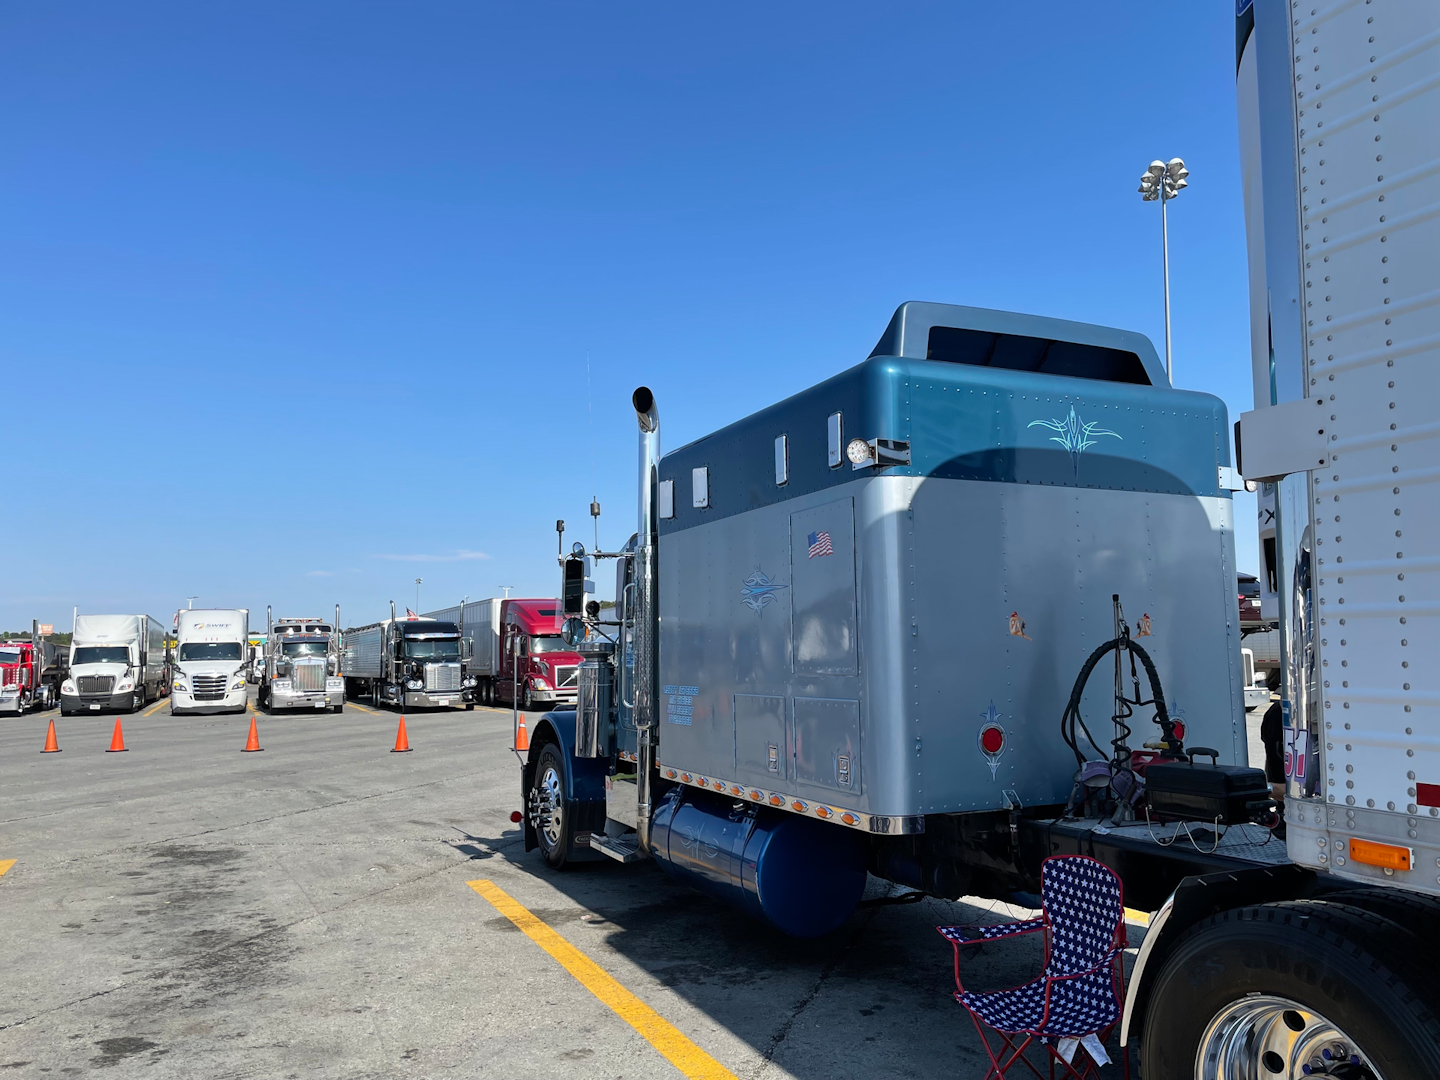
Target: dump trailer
[
  {"x": 301, "y": 667},
  {"x": 410, "y": 663}
]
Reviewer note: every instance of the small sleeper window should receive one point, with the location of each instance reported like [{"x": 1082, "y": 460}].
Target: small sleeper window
[
  {"x": 782, "y": 460},
  {"x": 700, "y": 487},
  {"x": 666, "y": 498},
  {"x": 837, "y": 452}
]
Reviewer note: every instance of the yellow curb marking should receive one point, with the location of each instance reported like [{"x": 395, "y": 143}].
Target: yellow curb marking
[
  {"x": 1141, "y": 917},
  {"x": 5, "y": 864},
  {"x": 693, "y": 1062}
]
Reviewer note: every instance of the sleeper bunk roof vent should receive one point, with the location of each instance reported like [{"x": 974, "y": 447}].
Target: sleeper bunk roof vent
[{"x": 1006, "y": 339}]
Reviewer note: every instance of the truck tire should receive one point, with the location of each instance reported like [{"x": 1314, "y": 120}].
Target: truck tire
[
  {"x": 527, "y": 702},
  {"x": 1418, "y": 914},
  {"x": 1261, "y": 991},
  {"x": 549, "y": 811}
]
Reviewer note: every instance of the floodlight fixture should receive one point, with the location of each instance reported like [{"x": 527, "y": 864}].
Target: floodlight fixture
[{"x": 1161, "y": 182}]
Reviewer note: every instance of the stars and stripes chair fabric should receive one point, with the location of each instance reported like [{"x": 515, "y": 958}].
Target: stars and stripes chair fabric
[{"x": 1078, "y": 995}]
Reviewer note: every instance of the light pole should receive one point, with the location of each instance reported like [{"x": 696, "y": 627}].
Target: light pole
[
  {"x": 417, "y": 594},
  {"x": 507, "y": 589},
  {"x": 1161, "y": 182},
  {"x": 190, "y": 601}
]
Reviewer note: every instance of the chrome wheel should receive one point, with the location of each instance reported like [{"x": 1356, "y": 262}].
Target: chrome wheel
[
  {"x": 1273, "y": 1038},
  {"x": 547, "y": 812}
]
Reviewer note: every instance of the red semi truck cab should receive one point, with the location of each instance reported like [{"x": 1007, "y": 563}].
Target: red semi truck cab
[
  {"x": 534, "y": 664},
  {"x": 27, "y": 679}
]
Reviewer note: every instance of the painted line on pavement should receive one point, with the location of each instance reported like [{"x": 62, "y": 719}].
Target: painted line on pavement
[
  {"x": 362, "y": 708},
  {"x": 677, "y": 1049},
  {"x": 5, "y": 864},
  {"x": 162, "y": 701}
]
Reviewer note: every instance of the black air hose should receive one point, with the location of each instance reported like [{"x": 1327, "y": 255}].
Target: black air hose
[{"x": 1071, "y": 717}]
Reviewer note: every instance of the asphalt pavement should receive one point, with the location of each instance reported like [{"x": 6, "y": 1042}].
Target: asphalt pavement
[{"x": 321, "y": 909}]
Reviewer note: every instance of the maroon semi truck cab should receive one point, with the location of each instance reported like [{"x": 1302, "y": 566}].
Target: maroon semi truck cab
[{"x": 534, "y": 664}]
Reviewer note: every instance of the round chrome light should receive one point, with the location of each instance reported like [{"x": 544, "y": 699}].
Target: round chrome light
[{"x": 858, "y": 451}]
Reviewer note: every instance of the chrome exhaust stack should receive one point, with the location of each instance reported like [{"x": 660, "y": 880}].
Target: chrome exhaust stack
[{"x": 647, "y": 617}]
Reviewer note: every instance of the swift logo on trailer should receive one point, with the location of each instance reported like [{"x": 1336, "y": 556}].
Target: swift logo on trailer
[
  {"x": 820, "y": 545},
  {"x": 1074, "y": 436}
]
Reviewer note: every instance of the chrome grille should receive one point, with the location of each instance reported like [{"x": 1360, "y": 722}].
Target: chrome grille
[
  {"x": 208, "y": 687},
  {"x": 309, "y": 676},
  {"x": 96, "y": 684},
  {"x": 442, "y": 676},
  {"x": 565, "y": 678}
]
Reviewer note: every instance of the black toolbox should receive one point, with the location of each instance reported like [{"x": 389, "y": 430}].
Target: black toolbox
[{"x": 1206, "y": 791}]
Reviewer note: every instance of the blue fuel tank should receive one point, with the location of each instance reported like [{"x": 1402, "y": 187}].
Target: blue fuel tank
[{"x": 802, "y": 877}]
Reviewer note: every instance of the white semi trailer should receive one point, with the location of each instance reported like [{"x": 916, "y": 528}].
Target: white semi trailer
[
  {"x": 211, "y": 660},
  {"x": 118, "y": 663}
]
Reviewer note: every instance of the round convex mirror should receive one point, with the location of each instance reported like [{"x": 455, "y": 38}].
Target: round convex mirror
[{"x": 573, "y": 632}]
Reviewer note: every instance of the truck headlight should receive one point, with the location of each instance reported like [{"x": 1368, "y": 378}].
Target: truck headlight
[
  {"x": 67, "y": 687},
  {"x": 180, "y": 684},
  {"x": 239, "y": 683},
  {"x": 541, "y": 684},
  {"x": 412, "y": 684},
  {"x": 470, "y": 681},
  {"x": 125, "y": 684}
]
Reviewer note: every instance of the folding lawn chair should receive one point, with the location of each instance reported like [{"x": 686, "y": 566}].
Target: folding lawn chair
[{"x": 1076, "y": 1000}]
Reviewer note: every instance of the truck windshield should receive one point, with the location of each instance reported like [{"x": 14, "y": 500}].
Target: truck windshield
[
  {"x": 102, "y": 654},
  {"x": 432, "y": 650},
  {"x": 548, "y": 643},
  {"x": 210, "y": 650},
  {"x": 304, "y": 648},
  {"x": 9, "y": 656}
]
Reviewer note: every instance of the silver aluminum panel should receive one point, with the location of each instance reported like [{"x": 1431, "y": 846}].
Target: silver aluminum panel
[
  {"x": 760, "y": 743},
  {"x": 940, "y": 565},
  {"x": 826, "y": 746},
  {"x": 822, "y": 571}
]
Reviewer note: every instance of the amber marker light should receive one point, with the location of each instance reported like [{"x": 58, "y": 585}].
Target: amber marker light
[{"x": 1385, "y": 856}]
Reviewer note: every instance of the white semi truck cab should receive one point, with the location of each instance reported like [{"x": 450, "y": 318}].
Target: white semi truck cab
[
  {"x": 118, "y": 663},
  {"x": 210, "y": 660}
]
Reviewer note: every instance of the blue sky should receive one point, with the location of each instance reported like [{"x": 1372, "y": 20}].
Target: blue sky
[{"x": 297, "y": 300}]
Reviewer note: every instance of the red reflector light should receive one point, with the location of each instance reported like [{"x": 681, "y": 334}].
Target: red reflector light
[
  {"x": 1179, "y": 726},
  {"x": 992, "y": 739},
  {"x": 516, "y": 816},
  {"x": 1427, "y": 794}
]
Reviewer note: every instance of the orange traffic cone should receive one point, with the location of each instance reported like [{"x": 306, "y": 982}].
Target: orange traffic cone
[
  {"x": 117, "y": 741},
  {"x": 522, "y": 737},
  {"x": 402, "y": 744},
  {"x": 252, "y": 744},
  {"x": 51, "y": 746}
]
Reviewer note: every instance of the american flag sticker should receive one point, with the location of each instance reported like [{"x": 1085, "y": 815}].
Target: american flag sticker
[{"x": 820, "y": 545}]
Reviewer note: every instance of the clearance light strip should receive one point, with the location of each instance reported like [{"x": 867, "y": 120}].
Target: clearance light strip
[{"x": 875, "y": 823}]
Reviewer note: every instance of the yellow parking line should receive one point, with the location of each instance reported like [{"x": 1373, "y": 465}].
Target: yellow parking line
[
  {"x": 162, "y": 701},
  {"x": 5, "y": 864},
  {"x": 693, "y": 1062},
  {"x": 362, "y": 708}
]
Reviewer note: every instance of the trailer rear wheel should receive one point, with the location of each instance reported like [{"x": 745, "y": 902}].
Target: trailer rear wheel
[
  {"x": 549, "y": 812},
  {"x": 1291, "y": 990}
]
